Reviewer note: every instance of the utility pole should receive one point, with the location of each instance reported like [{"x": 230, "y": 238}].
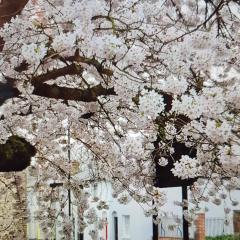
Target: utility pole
[
  {"x": 69, "y": 174},
  {"x": 69, "y": 178},
  {"x": 185, "y": 208}
]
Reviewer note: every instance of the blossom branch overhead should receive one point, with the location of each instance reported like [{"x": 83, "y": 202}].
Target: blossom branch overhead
[{"x": 141, "y": 84}]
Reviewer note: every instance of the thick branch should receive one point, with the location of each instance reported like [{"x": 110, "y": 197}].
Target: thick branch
[
  {"x": 55, "y": 73},
  {"x": 64, "y": 93},
  {"x": 7, "y": 91},
  {"x": 90, "y": 61},
  {"x": 54, "y": 91}
]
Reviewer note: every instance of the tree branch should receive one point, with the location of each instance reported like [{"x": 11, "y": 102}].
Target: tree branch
[
  {"x": 90, "y": 61},
  {"x": 72, "y": 69},
  {"x": 65, "y": 93}
]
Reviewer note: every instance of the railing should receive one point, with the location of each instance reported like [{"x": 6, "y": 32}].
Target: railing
[
  {"x": 169, "y": 228},
  {"x": 216, "y": 227},
  {"x": 213, "y": 227}
]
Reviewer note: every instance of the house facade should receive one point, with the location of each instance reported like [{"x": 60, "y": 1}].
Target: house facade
[{"x": 128, "y": 222}]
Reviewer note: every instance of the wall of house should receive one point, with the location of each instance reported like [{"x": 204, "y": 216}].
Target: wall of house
[
  {"x": 141, "y": 226},
  {"x": 132, "y": 223}
]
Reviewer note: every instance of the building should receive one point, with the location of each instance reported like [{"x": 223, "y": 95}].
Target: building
[{"x": 128, "y": 222}]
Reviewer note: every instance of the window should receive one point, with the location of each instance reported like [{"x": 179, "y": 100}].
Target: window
[
  {"x": 115, "y": 228},
  {"x": 126, "y": 227}
]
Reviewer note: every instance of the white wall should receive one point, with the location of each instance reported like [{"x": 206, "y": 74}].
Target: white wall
[{"x": 140, "y": 226}]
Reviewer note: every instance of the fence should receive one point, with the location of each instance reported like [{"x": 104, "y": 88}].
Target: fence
[
  {"x": 171, "y": 227},
  {"x": 213, "y": 227}
]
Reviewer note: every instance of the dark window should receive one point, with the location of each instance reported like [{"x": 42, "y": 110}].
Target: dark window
[
  {"x": 80, "y": 236},
  {"x": 115, "y": 228}
]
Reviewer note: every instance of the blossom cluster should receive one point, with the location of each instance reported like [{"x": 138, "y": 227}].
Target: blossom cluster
[{"x": 116, "y": 86}]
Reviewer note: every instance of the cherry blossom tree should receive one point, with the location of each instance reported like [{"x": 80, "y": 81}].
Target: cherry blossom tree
[{"x": 130, "y": 79}]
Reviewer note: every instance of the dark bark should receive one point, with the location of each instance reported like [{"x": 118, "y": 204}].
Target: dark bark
[
  {"x": 64, "y": 93},
  {"x": 7, "y": 91}
]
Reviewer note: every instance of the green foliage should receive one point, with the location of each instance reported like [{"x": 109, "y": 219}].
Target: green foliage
[
  {"x": 224, "y": 237},
  {"x": 15, "y": 154}
]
